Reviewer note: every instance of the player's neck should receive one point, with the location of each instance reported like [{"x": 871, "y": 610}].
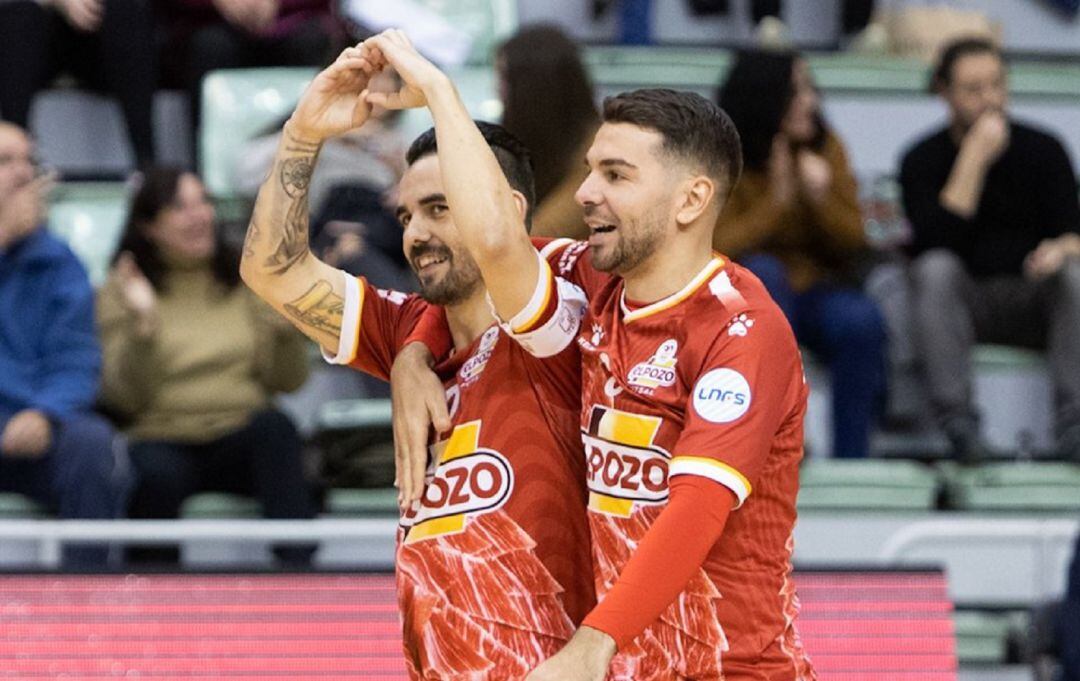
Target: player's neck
[
  {"x": 668, "y": 271},
  {"x": 468, "y": 319}
]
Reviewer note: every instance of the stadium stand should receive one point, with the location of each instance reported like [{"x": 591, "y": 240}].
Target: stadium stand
[{"x": 1001, "y": 531}]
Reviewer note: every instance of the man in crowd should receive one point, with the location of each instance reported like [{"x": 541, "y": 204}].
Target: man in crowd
[
  {"x": 52, "y": 447},
  {"x": 993, "y": 207}
]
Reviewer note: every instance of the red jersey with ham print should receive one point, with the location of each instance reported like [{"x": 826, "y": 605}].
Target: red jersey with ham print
[
  {"x": 493, "y": 566},
  {"x": 706, "y": 382}
]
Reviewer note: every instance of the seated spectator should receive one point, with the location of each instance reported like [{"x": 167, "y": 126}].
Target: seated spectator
[
  {"x": 794, "y": 220},
  {"x": 548, "y": 104},
  {"x": 192, "y": 360},
  {"x": 106, "y": 44},
  {"x": 206, "y": 35},
  {"x": 52, "y": 447},
  {"x": 993, "y": 208}
]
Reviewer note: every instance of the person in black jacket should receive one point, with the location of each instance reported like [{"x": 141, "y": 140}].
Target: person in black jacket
[{"x": 994, "y": 213}]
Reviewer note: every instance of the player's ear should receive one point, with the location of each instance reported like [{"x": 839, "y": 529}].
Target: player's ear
[
  {"x": 696, "y": 197},
  {"x": 522, "y": 204}
]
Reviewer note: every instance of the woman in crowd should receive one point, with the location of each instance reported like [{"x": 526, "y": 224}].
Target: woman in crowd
[
  {"x": 191, "y": 362},
  {"x": 793, "y": 218},
  {"x": 548, "y": 104}
]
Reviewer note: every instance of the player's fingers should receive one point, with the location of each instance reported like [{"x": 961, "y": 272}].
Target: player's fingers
[
  {"x": 440, "y": 415},
  {"x": 387, "y": 100}
]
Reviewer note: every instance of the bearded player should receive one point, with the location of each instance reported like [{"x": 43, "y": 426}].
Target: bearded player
[{"x": 504, "y": 509}]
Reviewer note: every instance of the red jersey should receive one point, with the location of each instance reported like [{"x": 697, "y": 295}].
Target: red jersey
[
  {"x": 705, "y": 382},
  {"x": 493, "y": 565}
]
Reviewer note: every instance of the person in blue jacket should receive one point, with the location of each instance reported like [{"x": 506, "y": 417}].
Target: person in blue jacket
[{"x": 52, "y": 447}]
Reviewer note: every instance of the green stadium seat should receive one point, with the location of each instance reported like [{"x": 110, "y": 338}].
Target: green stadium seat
[
  {"x": 353, "y": 414},
  {"x": 362, "y": 503},
  {"x": 489, "y": 22},
  {"x": 90, "y": 218},
  {"x": 238, "y": 104},
  {"x": 866, "y": 485},
  {"x": 982, "y": 637},
  {"x": 219, "y": 505},
  {"x": 701, "y": 68},
  {"x": 17, "y": 507},
  {"x": 1052, "y": 487},
  {"x": 989, "y": 357}
]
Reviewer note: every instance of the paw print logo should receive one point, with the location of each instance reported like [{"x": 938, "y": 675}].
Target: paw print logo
[
  {"x": 740, "y": 326},
  {"x": 597, "y": 334}
]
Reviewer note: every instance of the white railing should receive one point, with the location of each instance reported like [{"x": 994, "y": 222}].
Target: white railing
[{"x": 51, "y": 535}]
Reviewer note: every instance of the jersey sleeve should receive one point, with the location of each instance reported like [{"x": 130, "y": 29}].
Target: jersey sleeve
[
  {"x": 550, "y": 321},
  {"x": 572, "y": 260},
  {"x": 375, "y": 325},
  {"x": 432, "y": 330},
  {"x": 748, "y": 384}
]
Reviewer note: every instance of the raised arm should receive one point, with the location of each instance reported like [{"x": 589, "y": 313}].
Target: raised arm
[
  {"x": 487, "y": 212},
  {"x": 277, "y": 262}
]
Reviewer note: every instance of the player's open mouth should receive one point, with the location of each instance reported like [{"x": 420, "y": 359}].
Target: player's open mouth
[
  {"x": 602, "y": 229},
  {"x": 425, "y": 261}
]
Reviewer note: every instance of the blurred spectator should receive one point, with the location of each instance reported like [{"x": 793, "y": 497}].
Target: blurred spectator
[
  {"x": 107, "y": 44},
  {"x": 993, "y": 209},
  {"x": 193, "y": 360},
  {"x": 548, "y": 104},
  {"x": 52, "y": 447},
  {"x": 1069, "y": 622},
  {"x": 205, "y": 35},
  {"x": 794, "y": 220}
]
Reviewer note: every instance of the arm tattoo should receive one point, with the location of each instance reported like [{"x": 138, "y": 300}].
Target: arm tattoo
[
  {"x": 295, "y": 177},
  {"x": 319, "y": 308},
  {"x": 249, "y": 240}
]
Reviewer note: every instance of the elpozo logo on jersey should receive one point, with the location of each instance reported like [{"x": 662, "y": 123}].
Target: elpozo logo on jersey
[
  {"x": 472, "y": 368},
  {"x": 467, "y": 481},
  {"x": 658, "y": 370},
  {"x": 722, "y": 396},
  {"x": 624, "y": 468}
]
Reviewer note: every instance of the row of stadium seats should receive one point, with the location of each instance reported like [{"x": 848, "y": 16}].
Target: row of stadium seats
[
  {"x": 238, "y": 103},
  {"x": 891, "y": 485}
]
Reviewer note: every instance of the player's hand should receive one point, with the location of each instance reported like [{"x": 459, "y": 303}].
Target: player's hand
[
  {"x": 420, "y": 78},
  {"x": 334, "y": 103},
  {"x": 82, "y": 15},
  {"x": 418, "y": 400},
  {"x": 989, "y": 137},
  {"x": 27, "y": 435},
  {"x": 815, "y": 176},
  {"x": 136, "y": 293},
  {"x": 585, "y": 658},
  {"x": 1050, "y": 256},
  {"x": 24, "y": 209}
]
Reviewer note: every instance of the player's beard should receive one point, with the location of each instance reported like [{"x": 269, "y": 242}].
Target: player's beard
[
  {"x": 638, "y": 240},
  {"x": 458, "y": 283}
]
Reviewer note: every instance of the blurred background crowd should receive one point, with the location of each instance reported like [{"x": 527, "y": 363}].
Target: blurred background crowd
[{"x": 909, "y": 199}]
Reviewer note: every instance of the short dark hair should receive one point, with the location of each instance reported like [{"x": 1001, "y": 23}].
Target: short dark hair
[
  {"x": 693, "y": 128},
  {"x": 511, "y": 154},
  {"x": 953, "y": 52}
]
